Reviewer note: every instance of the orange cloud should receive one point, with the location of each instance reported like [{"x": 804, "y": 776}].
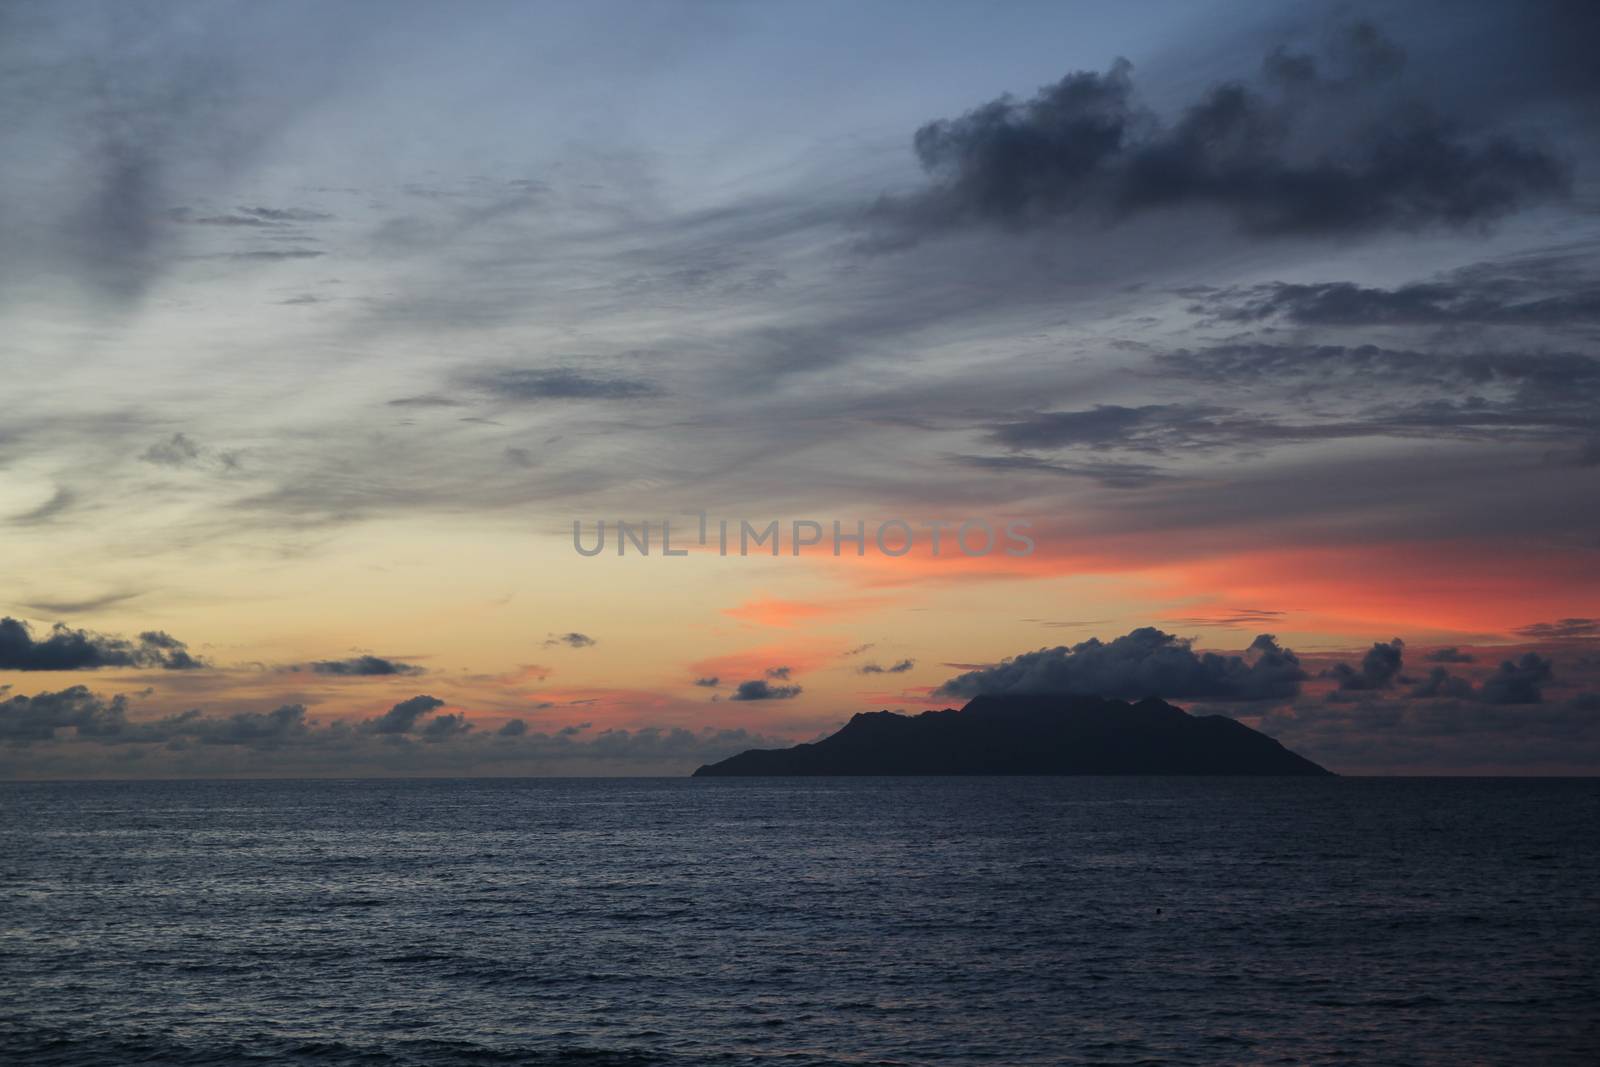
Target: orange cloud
[
  {"x": 771, "y": 611},
  {"x": 800, "y": 656},
  {"x": 1475, "y": 587}
]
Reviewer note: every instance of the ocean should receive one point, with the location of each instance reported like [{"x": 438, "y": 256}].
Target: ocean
[{"x": 801, "y": 921}]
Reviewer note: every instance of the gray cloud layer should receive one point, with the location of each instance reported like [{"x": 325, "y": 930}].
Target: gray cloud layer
[
  {"x": 1314, "y": 145},
  {"x": 761, "y": 689},
  {"x": 364, "y": 666},
  {"x": 1374, "y": 716},
  {"x": 77, "y": 731},
  {"x": 66, "y": 649},
  {"x": 1146, "y": 662}
]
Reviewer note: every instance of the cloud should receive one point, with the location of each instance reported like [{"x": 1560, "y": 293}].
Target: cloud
[
  {"x": 780, "y": 673},
  {"x": 1231, "y": 619},
  {"x": 1541, "y": 375},
  {"x": 1449, "y": 655},
  {"x": 1329, "y": 144},
  {"x": 28, "y": 720},
  {"x": 445, "y": 727},
  {"x": 275, "y": 254},
  {"x": 1109, "y": 475},
  {"x": 710, "y": 682},
  {"x": 518, "y": 384},
  {"x": 25, "y": 719},
  {"x": 363, "y": 666},
  {"x": 1445, "y": 734},
  {"x": 571, "y": 640},
  {"x": 405, "y": 715},
  {"x": 263, "y": 217},
  {"x": 1146, "y": 662},
  {"x": 761, "y": 689},
  {"x": 66, "y": 649},
  {"x": 426, "y": 400},
  {"x": 1553, "y": 402},
  {"x": 61, "y": 500},
  {"x": 1378, "y": 670},
  {"x": 178, "y": 451},
  {"x": 74, "y": 731},
  {"x": 1151, "y": 426},
  {"x": 73, "y": 607},
  {"x": 896, "y": 668},
  {"x": 1460, "y": 301},
  {"x": 1562, "y": 629},
  {"x": 1441, "y": 683},
  {"x": 1517, "y": 682},
  {"x": 256, "y": 729}
]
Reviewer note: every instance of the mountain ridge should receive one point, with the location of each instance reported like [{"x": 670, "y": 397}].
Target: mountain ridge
[{"x": 1045, "y": 734}]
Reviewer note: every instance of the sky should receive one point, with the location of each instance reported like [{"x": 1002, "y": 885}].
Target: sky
[{"x": 322, "y": 324}]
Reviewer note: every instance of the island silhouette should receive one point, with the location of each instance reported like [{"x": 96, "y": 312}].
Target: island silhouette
[{"x": 1056, "y": 734}]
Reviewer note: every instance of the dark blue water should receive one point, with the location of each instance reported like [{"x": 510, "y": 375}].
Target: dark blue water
[{"x": 795, "y": 922}]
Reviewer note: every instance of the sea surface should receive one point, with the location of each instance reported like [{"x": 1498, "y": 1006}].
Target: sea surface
[{"x": 794, "y": 922}]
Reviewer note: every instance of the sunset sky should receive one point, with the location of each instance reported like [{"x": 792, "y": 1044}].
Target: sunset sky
[{"x": 321, "y": 324}]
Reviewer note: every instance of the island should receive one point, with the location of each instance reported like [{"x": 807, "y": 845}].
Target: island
[{"x": 1030, "y": 734}]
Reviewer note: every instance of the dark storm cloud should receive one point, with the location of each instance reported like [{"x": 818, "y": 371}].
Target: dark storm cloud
[
  {"x": 1146, "y": 662},
  {"x": 571, "y": 640},
  {"x": 1378, "y": 668},
  {"x": 895, "y": 668},
  {"x": 1328, "y": 144},
  {"x": 404, "y": 716},
  {"x": 364, "y": 666},
  {"x": 66, "y": 649},
  {"x": 521, "y": 385},
  {"x": 761, "y": 689},
  {"x": 1561, "y": 629}
]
